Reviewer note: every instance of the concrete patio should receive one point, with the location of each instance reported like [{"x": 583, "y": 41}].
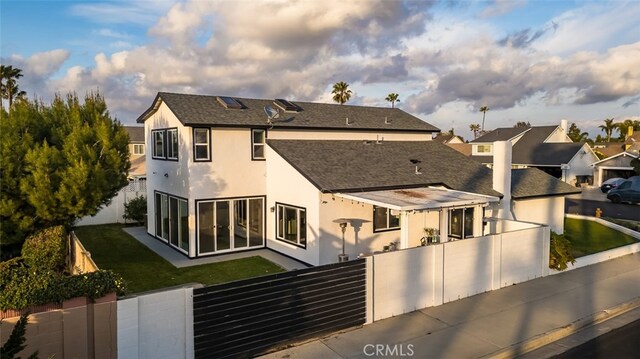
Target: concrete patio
[{"x": 180, "y": 260}]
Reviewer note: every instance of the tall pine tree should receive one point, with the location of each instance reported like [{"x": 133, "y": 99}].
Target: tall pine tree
[{"x": 58, "y": 163}]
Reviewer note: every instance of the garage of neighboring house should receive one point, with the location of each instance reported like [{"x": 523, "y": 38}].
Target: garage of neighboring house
[{"x": 614, "y": 166}]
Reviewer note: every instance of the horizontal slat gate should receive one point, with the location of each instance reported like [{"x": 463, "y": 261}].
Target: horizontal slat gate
[{"x": 249, "y": 317}]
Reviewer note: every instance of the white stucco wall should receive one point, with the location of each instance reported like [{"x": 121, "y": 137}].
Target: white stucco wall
[
  {"x": 231, "y": 172},
  {"x": 289, "y": 134},
  {"x": 287, "y": 186},
  {"x": 547, "y": 211},
  {"x": 176, "y": 181},
  {"x": 359, "y": 236}
]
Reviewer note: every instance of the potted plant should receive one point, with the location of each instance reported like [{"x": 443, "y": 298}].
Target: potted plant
[{"x": 430, "y": 236}]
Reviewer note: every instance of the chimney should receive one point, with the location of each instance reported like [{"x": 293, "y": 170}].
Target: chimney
[
  {"x": 564, "y": 124},
  {"x": 629, "y": 132},
  {"x": 502, "y": 177}
]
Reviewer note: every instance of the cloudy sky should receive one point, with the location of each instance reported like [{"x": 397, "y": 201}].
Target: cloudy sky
[{"x": 537, "y": 61}]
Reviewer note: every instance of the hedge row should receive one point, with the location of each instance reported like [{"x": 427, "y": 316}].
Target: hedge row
[{"x": 22, "y": 287}]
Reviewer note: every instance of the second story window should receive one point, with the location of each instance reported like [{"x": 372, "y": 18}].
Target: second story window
[
  {"x": 172, "y": 144},
  {"x": 201, "y": 144},
  {"x": 165, "y": 144},
  {"x": 138, "y": 149},
  {"x": 484, "y": 148},
  {"x": 258, "y": 138},
  {"x": 158, "y": 143}
]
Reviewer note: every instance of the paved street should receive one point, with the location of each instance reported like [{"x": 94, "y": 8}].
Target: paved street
[
  {"x": 616, "y": 210},
  {"x": 619, "y": 343},
  {"x": 591, "y": 199}
]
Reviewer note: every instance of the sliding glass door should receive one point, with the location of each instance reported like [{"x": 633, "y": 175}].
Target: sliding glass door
[
  {"x": 172, "y": 220},
  {"x": 230, "y": 224}
]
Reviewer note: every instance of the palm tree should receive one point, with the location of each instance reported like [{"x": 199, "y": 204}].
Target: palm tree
[
  {"x": 341, "y": 92},
  {"x": 484, "y": 110},
  {"x": 608, "y": 128},
  {"x": 393, "y": 98},
  {"x": 475, "y": 128},
  {"x": 8, "y": 83}
]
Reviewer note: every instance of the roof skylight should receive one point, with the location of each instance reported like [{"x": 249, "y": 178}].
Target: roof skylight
[
  {"x": 287, "y": 105},
  {"x": 229, "y": 102}
]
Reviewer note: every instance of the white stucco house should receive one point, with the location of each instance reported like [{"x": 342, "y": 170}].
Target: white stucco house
[
  {"x": 547, "y": 148},
  {"x": 226, "y": 175}
]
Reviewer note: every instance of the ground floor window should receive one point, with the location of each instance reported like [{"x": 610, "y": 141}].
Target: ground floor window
[
  {"x": 172, "y": 220},
  {"x": 229, "y": 224},
  {"x": 461, "y": 222},
  {"x": 291, "y": 224},
  {"x": 384, "y": 219}
]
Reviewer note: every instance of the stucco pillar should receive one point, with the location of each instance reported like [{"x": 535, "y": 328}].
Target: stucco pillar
[
  {"x": 404, "y": 229},
  {"x": 444, "y": 225}
]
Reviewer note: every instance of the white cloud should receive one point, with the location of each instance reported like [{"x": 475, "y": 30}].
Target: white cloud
[{"x": 501, "y": 7}]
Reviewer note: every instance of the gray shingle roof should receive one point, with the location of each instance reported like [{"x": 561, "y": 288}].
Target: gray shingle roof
[
  {"x": 136, "y": 133},
  {"x": 196, "y": 110},
  {"x": 531, "y": 182},
  {"x": 531, "y": 149},
  {"x": 355, "y": 166},
  {"x": 500, "y": 134}
]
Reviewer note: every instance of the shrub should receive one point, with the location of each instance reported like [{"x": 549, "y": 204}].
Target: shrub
[
  {"x": 46, "y": 249},
  {"x": 559, "y": 255},
  {"x": 45, "y": 286},
  {"x": 136, "y": 209}
]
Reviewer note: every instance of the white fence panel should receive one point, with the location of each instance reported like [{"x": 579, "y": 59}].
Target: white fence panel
[
  {"x": 404, "y": 281},
  {"x": 410, "y": 279},
  {"x": 115, "y": 210},
  {"x": 468, "y": 268},
  {"x": 521, "y": 254},
  {"x": 156, "y": 325}
]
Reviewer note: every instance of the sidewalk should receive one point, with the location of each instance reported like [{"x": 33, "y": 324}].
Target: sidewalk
[{"x": 491, "y": 323}]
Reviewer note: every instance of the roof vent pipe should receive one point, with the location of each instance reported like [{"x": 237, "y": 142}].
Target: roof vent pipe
[
  {"x": 386, "y": 120},
  {"x": 348, "y": 121}
]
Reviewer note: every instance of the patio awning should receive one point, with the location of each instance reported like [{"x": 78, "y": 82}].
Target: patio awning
[{"x": 415, "y": 199}]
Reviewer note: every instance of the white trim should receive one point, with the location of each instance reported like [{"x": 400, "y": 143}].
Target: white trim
[
  {"x": 625, "y": 153},
  {"x": 566, "y": 136}
]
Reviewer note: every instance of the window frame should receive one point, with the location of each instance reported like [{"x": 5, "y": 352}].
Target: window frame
[
  {"x": 387, "y": 228},
  {"x": 168, "y": 144},
  {"x": 195, "y": 144},
  {"x": 254, "y": 144},
  {"x": 463, "y": 223},
  {"x": 177, "y": 222},
  {"x": 298, "y": 223},
  {"x": 488, "y": 148},
  {"x": 165, "y": 144},
  {"x": 138, "y": 146},
  {"x": 154, "y": 147}
]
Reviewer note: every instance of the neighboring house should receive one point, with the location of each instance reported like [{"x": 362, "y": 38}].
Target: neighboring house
[
  {"x": 216, "y": 185},
  {"x": 547, "y": 148},
  {"x": 136, "y": 151},
  {"x": 447, "y": 138},
  {"x": 615, "y": 166},
  {"x": 617, "y": 162},
  {"x": 464, "y": 148}
]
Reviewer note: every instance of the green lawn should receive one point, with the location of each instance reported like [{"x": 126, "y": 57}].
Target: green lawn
[
  {"x": 143, "y": 270},
  {"x": 588, "y": 237}
]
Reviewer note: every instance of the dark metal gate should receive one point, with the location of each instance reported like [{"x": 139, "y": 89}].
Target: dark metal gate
[{"x": 249, "y": 317}]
